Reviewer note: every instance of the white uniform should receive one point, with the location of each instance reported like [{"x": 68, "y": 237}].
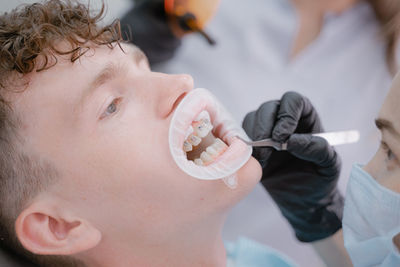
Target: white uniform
[{"x": 343, "y": 72}]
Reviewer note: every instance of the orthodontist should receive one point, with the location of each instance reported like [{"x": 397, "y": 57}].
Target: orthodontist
[{"x": 302, "y": 181}]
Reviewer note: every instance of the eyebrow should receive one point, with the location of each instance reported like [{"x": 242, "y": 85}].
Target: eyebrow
[
  {"x": 108, "y": 73},
  {"x": 383, "y": 124}
]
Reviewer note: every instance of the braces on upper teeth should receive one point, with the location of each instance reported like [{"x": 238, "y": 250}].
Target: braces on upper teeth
[{"x": 199, "y": 129}]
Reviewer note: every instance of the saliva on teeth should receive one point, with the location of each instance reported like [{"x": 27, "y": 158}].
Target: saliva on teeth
[{"x": 199, "y": 129}]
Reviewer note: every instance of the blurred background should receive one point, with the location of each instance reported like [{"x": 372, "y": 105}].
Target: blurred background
[{"x": 258, "y": 55}]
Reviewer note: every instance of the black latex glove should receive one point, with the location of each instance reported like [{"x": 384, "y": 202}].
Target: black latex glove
[
  {"x": 302, "y": 180},
  {"x": 150, "y": 31}
]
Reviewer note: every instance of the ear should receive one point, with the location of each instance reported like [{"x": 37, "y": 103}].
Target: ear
[{"x": 43, "y": 230}]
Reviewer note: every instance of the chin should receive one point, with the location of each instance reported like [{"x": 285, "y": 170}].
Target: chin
[{"x": 248, "y": 176}]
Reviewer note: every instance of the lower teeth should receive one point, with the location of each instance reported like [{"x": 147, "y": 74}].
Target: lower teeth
[
  {"x": 198, "y": 162},
  {"x": 210, "y": 154}
]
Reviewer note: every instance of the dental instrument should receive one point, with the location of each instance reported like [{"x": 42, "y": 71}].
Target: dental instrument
[{"x": 333, "y": 138}]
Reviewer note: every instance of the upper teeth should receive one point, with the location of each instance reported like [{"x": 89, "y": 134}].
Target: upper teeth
[
  {"x": 187, "y": 146},
  {"x": 199, "y": 129},
  {"x": 194, "y": 140},
  {"x": 189, "y": 132},
  {"x": 203, "y": 115},
  {"x": 202, "y": 127}
]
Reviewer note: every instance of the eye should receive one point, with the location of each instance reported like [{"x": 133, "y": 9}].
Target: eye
[
  {"x": 111, "y": 108},
  {"x": 389, "y": 154}
]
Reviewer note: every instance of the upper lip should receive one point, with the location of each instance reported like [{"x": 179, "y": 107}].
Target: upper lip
[{"x": 176, "y": 103}]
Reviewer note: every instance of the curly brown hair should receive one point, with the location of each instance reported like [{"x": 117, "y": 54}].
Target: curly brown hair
[{"x": 28, "y": 33}]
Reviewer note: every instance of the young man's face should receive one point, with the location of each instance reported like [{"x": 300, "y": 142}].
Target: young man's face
[
  {"x": 385, "y": 165},
  {"x": 103, "y": 122}
]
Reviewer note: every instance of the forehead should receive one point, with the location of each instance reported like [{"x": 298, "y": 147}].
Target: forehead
[
  {"x": 45, "y": 107},
  {"x": 391, "y": 107},
  {"x": 66, "y": 79}
]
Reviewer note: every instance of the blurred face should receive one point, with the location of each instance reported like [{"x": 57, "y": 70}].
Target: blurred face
[
  {"x": 335, "y": 6},
  {"x": 385, "y": 165},
  {"x": 103, "y": 122}
]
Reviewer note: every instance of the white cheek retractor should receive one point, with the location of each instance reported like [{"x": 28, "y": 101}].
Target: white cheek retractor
[{"x": 229, "y": 162}]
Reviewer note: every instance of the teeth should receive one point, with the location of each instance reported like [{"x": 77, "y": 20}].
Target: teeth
[
  {"x": 205, "y": 157},
  {"x": 208, "y": 156},
  {"x": 189, "y": 132},
  {"x": 198, "y": 162},
  {"x": 187, "y": 146},
  {"x": 194, "y": 140},
  {"x": 199, "y": 129},
  {"x": 216, "y": 149},
  {"x": 212, "y": 151},
  {"x": 219, "y": 144},
  {"x": 203, "y": 115},
  {"x": 202, "y": 127}
]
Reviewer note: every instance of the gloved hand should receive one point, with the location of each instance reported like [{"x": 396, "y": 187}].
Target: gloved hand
[
  {"x": 148, "y": 24},
  {"x": 302, "y": 180}
]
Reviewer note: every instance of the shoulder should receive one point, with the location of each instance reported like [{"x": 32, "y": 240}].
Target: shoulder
[{"x": 247, "y": 252}]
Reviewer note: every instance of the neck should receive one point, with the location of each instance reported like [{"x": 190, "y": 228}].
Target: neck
[
  {"x": 191, "y": 245},
  {"x": 309, "y": 27},
  {"x": 311, "y": 18}
]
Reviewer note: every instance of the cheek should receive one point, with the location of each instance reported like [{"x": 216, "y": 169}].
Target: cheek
[
  {"x": 392, "y": 183},
  {"x": 250, "y": 174},
  {"x": 376, "y": 166},
  {"x": 384, "y": 171},
  {"x": 138, "y": 159}
]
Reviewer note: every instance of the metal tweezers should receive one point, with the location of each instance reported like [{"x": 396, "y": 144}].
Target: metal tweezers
[
  {"x": 333, "y": 138},
  {"x": 266, "y": 143}
]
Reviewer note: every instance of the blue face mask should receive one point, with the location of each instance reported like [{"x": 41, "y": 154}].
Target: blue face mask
[{"x": 371, "y": 219}]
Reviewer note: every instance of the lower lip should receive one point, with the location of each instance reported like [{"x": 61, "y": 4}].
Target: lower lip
[{"x": 236, "y": 148}]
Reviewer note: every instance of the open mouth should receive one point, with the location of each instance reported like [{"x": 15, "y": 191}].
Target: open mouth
[
  {"x": 202, "y": 138},
  {"x": 201, "y": 144}
]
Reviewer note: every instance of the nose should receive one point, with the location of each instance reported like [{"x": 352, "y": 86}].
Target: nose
[{"x": 171, "y": 90}]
